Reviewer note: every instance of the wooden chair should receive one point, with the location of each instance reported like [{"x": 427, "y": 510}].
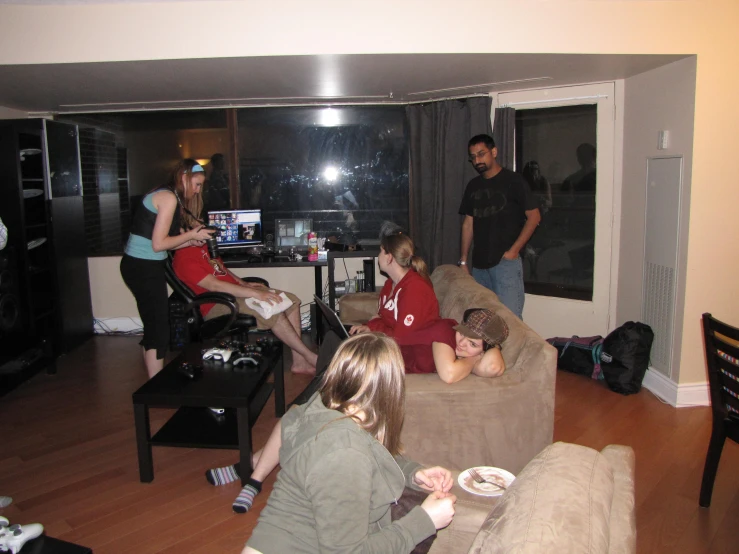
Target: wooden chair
[{"x": 721, "y": 343}]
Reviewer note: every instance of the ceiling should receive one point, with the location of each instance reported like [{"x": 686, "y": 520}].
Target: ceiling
[{"x": 281, "y": 80}]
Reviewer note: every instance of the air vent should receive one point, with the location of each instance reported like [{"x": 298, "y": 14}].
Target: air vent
[{"x": 658, "y": 313}]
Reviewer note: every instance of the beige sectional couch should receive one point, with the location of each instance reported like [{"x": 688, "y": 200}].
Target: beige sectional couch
[{"x": 566, "y": 498}]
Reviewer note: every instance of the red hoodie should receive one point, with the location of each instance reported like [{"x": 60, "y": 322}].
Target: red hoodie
[{"x": 411, "y": 306}]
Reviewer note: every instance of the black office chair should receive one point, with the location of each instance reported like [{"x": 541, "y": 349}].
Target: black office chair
[
  {"x": 199, "y": 328},
  {"x": 721, "y": 342}
]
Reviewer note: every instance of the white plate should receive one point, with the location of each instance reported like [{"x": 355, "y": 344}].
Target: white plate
[
  {"x": 36, "y": 242},
  {"x": 31, "y": 193},
  {"x": 494, "y": 474}
]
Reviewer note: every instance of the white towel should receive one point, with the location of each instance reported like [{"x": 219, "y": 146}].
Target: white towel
[{"x": 267, "y": 310}]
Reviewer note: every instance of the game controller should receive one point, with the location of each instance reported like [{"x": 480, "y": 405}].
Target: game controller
[
  {"x": 13, "y": 537},
  {"x": 191, "y": 371},
  {"x": 218, "y": 354},
  {"x": 245, "y": 360},
  {"x": 218, "y": 411},
  {"x": 239, "y": 346},
  {"x": 269, "y": 340}
]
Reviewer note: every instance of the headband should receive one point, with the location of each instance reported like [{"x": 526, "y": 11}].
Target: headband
[{"x": 197, "y": 168}]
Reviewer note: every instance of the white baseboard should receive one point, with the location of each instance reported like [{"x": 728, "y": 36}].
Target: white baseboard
[
  {"x": 679, "y": 396},
  {"x": 117, "y": 325}
]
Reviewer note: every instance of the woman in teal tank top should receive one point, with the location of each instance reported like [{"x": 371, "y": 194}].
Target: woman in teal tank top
[{"x": 165, "y": 221}]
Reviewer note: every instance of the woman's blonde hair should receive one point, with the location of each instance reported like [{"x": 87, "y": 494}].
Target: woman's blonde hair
[
  {"x": 190, "y": 208},
  {"x": 402, "y": 249},
  {"x": 366, "y": 375}
]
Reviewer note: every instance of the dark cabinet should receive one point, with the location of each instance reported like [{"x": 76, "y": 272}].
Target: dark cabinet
[{"x": 41, "y": 205}]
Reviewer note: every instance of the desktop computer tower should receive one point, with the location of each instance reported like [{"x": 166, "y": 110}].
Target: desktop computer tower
[{"x": 369, "y": 275}]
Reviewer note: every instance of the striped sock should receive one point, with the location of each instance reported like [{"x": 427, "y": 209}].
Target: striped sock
[
  {"x": 222, "y": 475},
  {"x": 243, "y": 502}
]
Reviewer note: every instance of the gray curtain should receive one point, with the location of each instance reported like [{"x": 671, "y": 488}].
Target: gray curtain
[
  {"x": 440, "y": 170},
  {"x": 504, "y": 135}
]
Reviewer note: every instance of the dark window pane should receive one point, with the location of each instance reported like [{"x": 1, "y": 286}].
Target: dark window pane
[
  {"x": 556, "y": 154},
  {"x": 346, "y": 168}
]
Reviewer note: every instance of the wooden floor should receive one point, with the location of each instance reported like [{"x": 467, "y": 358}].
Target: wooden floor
[{"x": 68, "y": 458}]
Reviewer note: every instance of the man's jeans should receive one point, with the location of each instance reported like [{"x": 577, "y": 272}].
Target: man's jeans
[{"x": 505, "y": 280}]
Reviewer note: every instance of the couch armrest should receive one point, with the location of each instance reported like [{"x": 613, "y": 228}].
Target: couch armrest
[
  {"x": 623, "y": 518},
  {"x": 560, "y": 503},
  {"x": 358, "y": 307}
]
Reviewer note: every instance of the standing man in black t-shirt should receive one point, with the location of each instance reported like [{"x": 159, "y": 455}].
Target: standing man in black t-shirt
[{"x": 501, "y": 213}]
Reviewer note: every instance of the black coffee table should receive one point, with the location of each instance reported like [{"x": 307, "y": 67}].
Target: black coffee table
[
  {"x": 48, "y": 545},
  {"x": 242, "y": 391}
]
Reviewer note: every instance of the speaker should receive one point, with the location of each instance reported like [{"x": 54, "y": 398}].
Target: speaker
[{"x": 269, "y": 241}]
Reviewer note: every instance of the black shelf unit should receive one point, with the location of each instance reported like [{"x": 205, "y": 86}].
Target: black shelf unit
[{"x": 41, "y": 205}]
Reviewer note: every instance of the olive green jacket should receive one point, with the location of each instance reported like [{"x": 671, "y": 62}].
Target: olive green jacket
[{"x": 334, "y": 491}]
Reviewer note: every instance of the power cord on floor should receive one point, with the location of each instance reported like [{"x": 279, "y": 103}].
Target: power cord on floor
[
  {"x": 102, "y": 328},
  {"x": 305, "y": 321}
]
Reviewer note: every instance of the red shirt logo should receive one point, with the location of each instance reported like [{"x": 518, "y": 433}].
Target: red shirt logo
[{"x": 408, "y": 320}]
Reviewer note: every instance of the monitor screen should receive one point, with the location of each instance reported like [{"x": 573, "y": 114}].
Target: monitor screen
[{"x": 238, "y": 227}]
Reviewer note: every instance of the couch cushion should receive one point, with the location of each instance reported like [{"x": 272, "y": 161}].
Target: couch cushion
[
  {"x": 358, "y": 307},
  {"x": 559, "y": 503}
]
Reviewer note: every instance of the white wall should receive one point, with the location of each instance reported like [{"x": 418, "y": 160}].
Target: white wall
[
  {"x": 9, "y": 113},
  {"x": 661, "y": 99},
  {"x": 78, "y": 33}
]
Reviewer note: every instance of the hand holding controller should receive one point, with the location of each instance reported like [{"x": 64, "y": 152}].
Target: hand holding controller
[
  {"x": 13, "y": 537},
  {"x": 219, "y": 354}
]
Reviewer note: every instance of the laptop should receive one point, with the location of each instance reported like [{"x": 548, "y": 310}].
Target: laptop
[{"x": 332, "y": 318}]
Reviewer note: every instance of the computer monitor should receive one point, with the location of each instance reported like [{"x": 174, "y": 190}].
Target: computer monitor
[
  {"x": 292, "y": 232},
  {"x": 239, "y": 228}
]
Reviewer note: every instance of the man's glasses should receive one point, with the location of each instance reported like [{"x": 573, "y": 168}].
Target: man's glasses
[{"x": 479, "y": 155}]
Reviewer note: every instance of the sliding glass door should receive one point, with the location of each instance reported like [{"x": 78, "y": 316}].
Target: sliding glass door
[{"x": 564, "y": 147}]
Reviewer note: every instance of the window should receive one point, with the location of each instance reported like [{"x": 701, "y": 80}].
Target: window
[
  {"x": 556, "y": 154},
  {"x": 346, "y": 168}
]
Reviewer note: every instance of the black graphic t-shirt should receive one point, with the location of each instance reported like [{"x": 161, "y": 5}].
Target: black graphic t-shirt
[{"x": 498, "y": 206}]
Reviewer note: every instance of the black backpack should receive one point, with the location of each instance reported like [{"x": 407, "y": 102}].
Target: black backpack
[
  {"x": 625, "y": 356},
  {"x": 579, "y": 355}
]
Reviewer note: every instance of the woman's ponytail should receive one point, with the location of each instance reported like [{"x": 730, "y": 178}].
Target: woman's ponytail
[{"x": 420, "y": 266}]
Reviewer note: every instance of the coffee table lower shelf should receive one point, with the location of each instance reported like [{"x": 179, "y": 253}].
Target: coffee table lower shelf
[{"x": 192, "y": 427}]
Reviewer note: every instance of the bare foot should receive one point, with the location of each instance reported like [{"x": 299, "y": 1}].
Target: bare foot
[{"x": 303, "y": 369}]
